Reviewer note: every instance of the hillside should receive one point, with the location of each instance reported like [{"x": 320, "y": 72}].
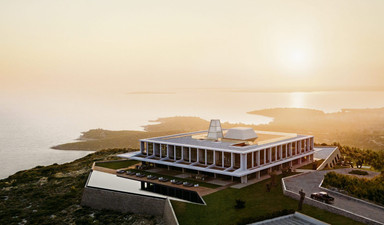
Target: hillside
[{"x": 52, "y": 195}]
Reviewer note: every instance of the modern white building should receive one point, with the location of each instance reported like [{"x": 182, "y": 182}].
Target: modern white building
[{"x": 240, "y": 154}]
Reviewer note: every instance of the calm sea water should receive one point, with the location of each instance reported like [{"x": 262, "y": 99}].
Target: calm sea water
[{"x": 30, "y": 125}]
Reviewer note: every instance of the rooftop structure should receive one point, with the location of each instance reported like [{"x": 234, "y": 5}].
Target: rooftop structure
[
  {"x": 241, "y": 133},
  {"x": 215, "y": 132},
  {"x": 238, "y": 153}
]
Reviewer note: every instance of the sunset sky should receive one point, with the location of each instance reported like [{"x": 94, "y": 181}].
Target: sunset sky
[{"x": 148, "y": 45}]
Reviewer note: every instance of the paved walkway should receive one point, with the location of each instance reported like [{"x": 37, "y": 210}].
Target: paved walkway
[{"x": 310, "y": 182}]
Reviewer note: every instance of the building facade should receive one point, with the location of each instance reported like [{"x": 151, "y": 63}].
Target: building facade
[{"x": 240, "y": 154}]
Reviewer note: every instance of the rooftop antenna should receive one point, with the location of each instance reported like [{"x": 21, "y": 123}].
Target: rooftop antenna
[{"x": 215, "y": 132}]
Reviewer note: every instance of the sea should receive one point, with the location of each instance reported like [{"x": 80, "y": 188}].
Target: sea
[{"x": 31, "y": 124}]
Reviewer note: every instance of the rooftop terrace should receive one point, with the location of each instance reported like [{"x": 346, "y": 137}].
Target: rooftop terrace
[{"x": 199, "y": 139}]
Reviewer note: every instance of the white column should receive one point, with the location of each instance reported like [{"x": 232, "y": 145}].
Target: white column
[
  {"x": 270, "y": 154},
  {"x": 214, "y": 157},
  {"x": 189, "y": 152},
  {"x": 205, "y": 157},
  {"x": 174, "y": 152},
  {"x": 281, "y": 151},
  {"x": 167, "y": 151},
  {"x": 147, "y": 148},
  {"x": 313, "y": 143},
  {"x": 197, "y": 155},
  {"x": 253, "y": 159},
  {"x": 160, "y": 151},
  {"x": 232, "y": 161},
  {"x": 243, "y": 162},
  {"x": 258, "y": 158},
  {"x": 182, "y": 153},
  {"x": 222, "y": 159}
]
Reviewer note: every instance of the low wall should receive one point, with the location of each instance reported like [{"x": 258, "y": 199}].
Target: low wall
[
  {"x": 328, "y": 207},
  {"x": 128, "y": 202},
  {"x": 169, "y": 215},
  {"x": 351, "y": 198}
]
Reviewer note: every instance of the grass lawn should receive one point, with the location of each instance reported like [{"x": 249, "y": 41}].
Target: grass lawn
[
  {"x": 117, "y": 164},
  {"x": 220, "y": 206}
]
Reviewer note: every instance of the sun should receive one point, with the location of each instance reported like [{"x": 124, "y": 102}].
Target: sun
[
  {"x": 294, "y": 58},
  {"x": 296, "y": 61},
  {"x": 298, "y": 58}
]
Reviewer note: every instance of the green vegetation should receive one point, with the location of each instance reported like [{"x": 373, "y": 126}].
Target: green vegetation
[
  {"x": 258, "y": 203},
  {"x": 368, "y": 157},
  {"x": 52, "y": 195},
  {"x": 117, "y": 164},
  {"x": 371, "y": 189},
  {"x": 359, "y": 172}
]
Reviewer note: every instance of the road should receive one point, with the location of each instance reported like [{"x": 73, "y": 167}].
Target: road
[{"x": 310, "y": 182}]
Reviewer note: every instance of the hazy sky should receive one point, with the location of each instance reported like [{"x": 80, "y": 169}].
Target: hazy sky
[{"x": 142, "y": 45}]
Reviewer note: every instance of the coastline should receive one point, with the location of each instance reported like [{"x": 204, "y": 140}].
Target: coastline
[{"x": 347, "y": 126}]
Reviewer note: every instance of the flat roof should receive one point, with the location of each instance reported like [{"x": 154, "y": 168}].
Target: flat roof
[
  {"x": 294, "y": 219},
  {"x": 112, "y": 182},
  {"x": 198, "y": 139}
]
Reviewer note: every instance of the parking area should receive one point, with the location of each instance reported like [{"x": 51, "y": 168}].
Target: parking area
[{"x": 310, "y": 182}]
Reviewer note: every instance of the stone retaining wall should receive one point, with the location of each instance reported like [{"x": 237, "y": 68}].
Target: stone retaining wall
[{"x": 128, "y": 202}]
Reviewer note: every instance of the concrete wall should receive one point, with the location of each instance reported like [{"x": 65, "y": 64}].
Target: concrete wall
[
  {"x": 329, "y": 208},
  {"x": 169, "y": 215},
  {"x": 331, "y": 157},
  {"x": 127, "y": 202}
]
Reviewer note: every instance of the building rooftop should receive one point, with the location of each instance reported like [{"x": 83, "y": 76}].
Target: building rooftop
[
  {"x": 293, "y": 219},
  {"x": 199, "y": 139}
]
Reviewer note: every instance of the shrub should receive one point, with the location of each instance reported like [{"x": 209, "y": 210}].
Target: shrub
[
  {"x": 240, "y": 204},
  {"x": 358, "y": 172},
  {"x": 372, "y": 189}
]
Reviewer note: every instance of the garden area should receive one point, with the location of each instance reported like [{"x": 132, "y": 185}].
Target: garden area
[
  {"x": 247, "y": 205},
  {"x": 370, "y": 189}
]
